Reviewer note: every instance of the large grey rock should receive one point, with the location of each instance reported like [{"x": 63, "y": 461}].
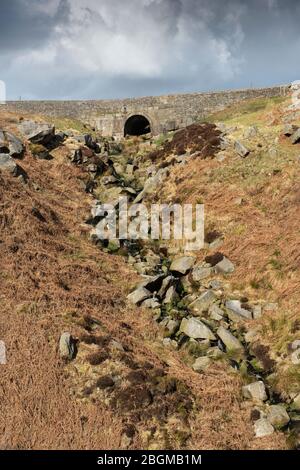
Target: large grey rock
[
  {"x": 166, "y": 284},
  {"x": 196, "y": 329},
  {"x": 8, "y": 164},
  {"x": 289, "y": 129},
  {"x": 182, "y": 265},
  {"x": 215, "y": 312},
  {"x": 225, "y": 266},
  {"x": 241, "y": 150},
  {"x": 201, "y": 364},
  {"x": 171, "y": 296},
  {"x": 295, "y": 138},
  {"x": 139, "y": 295},
  {"x": 67, "y": 347},
  {"x": 172, "y": 327},
  {"x": 235, "y": 307},
  {"x": 10, "y": 144},
  {"x": 153, "y": 283},
  {"x": 201, "y": 272},
  {"x": 278, "y": 416},
  {"x": 15, "y": 145},
  {"x": 231, "y": 342},
  {"x": 255, "y": 391},
  {"x": 37, "y": 133},
  {"x": 202, "y": 303},
  {"x": 263, "y": 428}
]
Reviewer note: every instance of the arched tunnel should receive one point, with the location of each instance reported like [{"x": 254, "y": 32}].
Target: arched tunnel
[{"x": 137, "y": 125}]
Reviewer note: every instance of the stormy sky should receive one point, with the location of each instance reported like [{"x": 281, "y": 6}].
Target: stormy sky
[{"x": 85, "y": 49}]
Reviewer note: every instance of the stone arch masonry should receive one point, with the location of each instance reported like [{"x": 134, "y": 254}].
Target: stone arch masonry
[{"x": 165, "y": 113}]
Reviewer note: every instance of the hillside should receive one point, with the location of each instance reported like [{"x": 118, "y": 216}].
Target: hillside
[{"x": 131, "y": 382}]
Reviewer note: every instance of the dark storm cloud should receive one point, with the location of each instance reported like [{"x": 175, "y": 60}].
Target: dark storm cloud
[
  {"x": 25, "y": 25},
  {"x": 113, "y": 48}
]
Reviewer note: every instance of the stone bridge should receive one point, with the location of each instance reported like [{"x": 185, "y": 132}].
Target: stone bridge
[{"x": 139, "y": 116}]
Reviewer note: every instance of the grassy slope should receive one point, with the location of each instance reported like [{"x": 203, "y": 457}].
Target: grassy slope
[
  {"x": 261, "y": 234},
  {"x": 54, "y": 280}
]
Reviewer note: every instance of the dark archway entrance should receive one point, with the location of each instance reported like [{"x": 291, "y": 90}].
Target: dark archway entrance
[{"x": 137, "y": 125}]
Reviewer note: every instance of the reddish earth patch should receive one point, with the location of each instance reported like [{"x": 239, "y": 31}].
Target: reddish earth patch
[{"x": 203, "y": 139}]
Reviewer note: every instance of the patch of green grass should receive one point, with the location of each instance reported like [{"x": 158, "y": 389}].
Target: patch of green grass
[
  {"x": 276, "y": 264},
  {"x": 64, "y": 124},
  {"x": 247, "y": 107},
  {"x": 262, "y": 283},
  {"x": 278, "y": 330},
  {"x": 162, "y": 139}
]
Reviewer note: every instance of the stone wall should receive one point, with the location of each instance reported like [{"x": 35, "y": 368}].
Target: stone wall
[{"x": 168, "y": 112}]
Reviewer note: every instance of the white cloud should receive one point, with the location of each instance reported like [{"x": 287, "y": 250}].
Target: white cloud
[
  {"x": 114, "y": 48},
  {"x": 138, "y": 39}
]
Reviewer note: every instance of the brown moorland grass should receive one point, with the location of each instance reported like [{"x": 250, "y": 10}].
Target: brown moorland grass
[
  {"x": 53, "y": 280},
  {"x": 254, "y": 203}
]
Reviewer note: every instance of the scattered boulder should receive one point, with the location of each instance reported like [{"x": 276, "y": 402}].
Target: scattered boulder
[
  {"x": 231, "y": 342},
  {"x": 278, "y": 416},
  {"x": 67, "y": 347},
  {"x": 154, "y": 283},
  {"x": 139, "y": 295},
  {"x": 289, "y": 129},
  {"x": 91, "y": 143},
  {"x": 196, "y": 329},
  {"x": 38, "y": 133},
  {"x": 296, "y": 403},
  {"x": 263, "y": 428},
  {"x": 295, "y": 357},
  {"x": 172, "y": 327},
  {"x": 201, "y": 272},
  {"x": 255, "y": 391},
  {"x": 236, "y": 311},
  {"x": 182, "y": 265},
  {"x": 224, "y": 267},
  {"x": 15, "y": 145},
  {"x": 8, "y": 164},
  {"x": 171, "y": 296},
  {"x": 215, "y": 312},
  {"x": 201, "y": 364},
  {"x": 256, "y": 311},
  {"x": 11, "y": 145},
  {"x": 202, "y": 303},
  {"x": 295, "y": 138},
  {"x": 241, "y": 150},
  {"x": 166, "y": 284},
  {"x": 215, "y": 284}
]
